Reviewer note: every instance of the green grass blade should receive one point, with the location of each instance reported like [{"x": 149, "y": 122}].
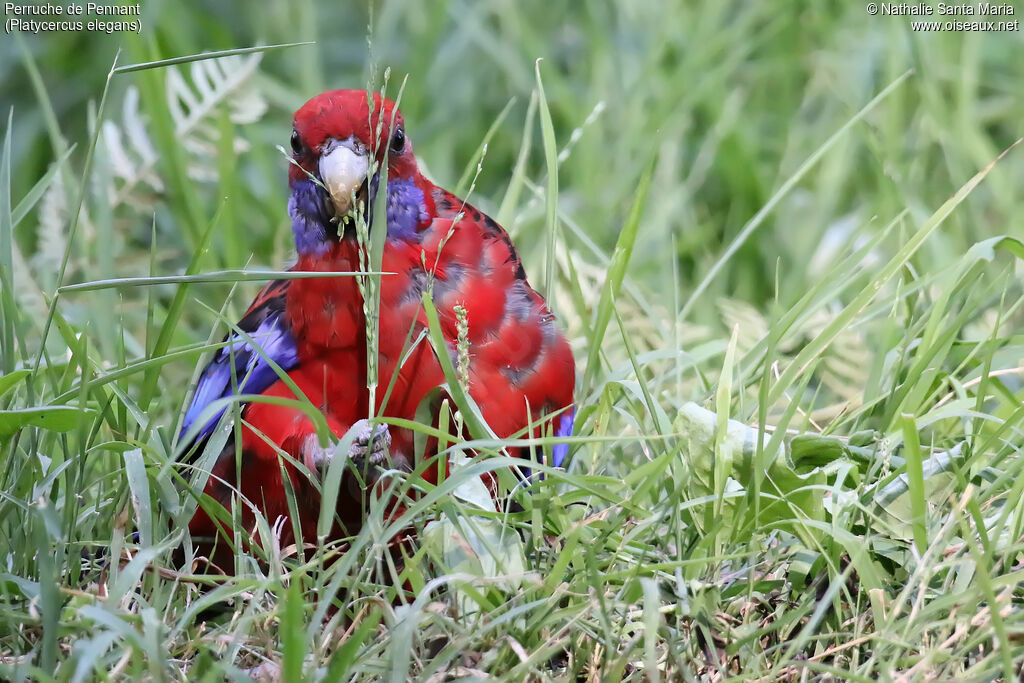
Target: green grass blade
[
  {"x": 211, "y": 276},
  {"x": 613, "y": 282},
  {"x": 345, "y": 656},
  {"x": 292, "y": 632},
  {"x": 518, "y": 180},
  {"x": 33, "y": 196},
  {"x": 7, "y": 304},
  {"x": 547, "y": 135},
  {"x": 467, "y": 173},
  {"x": 915, "y": 483},
  {"x": 161, "y": 63}
]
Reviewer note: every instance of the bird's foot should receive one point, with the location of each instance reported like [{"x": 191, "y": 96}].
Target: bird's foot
[
  {"x": 370, "y": 446},
  {"x": 368, "y": 450}
]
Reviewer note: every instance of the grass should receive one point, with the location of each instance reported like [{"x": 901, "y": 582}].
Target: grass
[{"x": 782, "y": 241}]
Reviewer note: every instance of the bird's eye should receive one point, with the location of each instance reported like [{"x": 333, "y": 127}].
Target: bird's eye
[
  {"x": 398, "y": 140},
  {"x": 296, "y": 142}
]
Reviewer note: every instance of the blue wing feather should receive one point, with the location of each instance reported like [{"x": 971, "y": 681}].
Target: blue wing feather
[
  {"x": 266, "y": 326},
  {"x": 560, "y": 451}
]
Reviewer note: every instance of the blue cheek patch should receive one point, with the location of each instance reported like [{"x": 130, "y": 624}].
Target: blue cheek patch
[
  {"x": 406, "y": 210},
  {"x": 305, "y": 206},
  {"x": 313, "y": 231}
]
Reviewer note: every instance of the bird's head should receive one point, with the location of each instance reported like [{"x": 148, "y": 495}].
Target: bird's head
[{"x": 339, "y": 142}]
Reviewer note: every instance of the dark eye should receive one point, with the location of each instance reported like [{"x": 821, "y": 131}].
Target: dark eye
[
  {"x": 296, "y": 142},
  {"x": 398, "y": 141}
]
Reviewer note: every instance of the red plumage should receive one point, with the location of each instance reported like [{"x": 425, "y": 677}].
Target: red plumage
[{"x": 521, "y": 368}]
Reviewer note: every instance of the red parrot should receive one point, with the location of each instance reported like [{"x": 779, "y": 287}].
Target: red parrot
[{"x": 521, "y": 369}]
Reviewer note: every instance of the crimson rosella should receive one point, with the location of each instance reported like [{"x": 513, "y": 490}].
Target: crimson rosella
[{"x": 521, "y": 371}]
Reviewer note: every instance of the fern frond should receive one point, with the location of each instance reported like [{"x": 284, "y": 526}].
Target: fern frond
[{"x": 192, "y": 102}]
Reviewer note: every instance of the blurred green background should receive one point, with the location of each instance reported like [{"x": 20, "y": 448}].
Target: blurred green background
[{"x": 729, "y": 96}]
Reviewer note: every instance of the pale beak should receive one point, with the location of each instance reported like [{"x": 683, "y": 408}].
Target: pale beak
[{"x": 343, "y": 171}]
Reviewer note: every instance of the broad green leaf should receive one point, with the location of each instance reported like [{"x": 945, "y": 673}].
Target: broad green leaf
[{"x": 53, "y": 418}]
